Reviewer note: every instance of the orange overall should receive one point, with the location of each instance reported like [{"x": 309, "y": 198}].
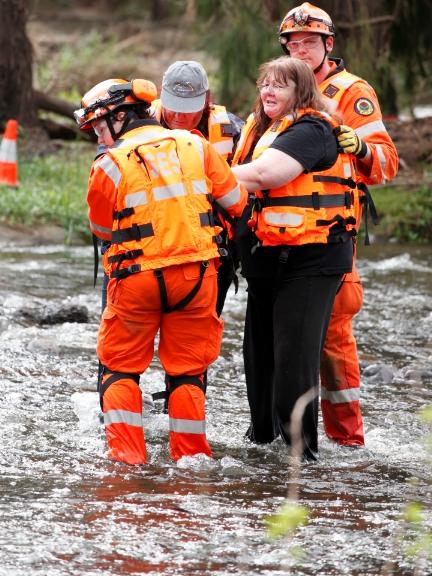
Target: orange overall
[
  {"x": 148, "y": 195},
  {"x": 358, "y": 105}
]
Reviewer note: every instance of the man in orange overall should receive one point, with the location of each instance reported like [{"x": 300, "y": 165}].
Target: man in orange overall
[
  {"x": 307, "y": 33},
  {"x": 149, "y": 195}
]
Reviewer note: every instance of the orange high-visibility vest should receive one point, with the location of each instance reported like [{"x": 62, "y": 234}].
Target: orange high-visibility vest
[
  {"x": 314, "y": 206},
  {"x": 220, "y": 133},
  {"x": 163, "y": 215}
]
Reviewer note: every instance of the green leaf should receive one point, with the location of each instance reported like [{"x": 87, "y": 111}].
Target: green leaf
[
  {"x": 426, "y": 414},
  {"x": 414, "y": 513},
  {"x": 289, "y": 517}
]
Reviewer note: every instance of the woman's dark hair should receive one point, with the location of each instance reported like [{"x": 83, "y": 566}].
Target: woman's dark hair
[{"x": 281, "y": 70}]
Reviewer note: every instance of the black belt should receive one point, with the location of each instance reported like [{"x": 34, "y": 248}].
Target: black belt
[{"x": 314, "y": 200}]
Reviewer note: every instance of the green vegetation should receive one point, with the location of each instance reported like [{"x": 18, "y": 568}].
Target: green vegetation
[
  {"x": 52, "y": 191},
  {"x": 405, "y": 213}
]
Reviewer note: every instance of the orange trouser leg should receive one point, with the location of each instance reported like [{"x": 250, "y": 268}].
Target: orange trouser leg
[
  {"x": 122, "y": 410},
  {"x": 190, "y": 340},
  {"x": 186, "y": 410},
  {"x": 340, "y": 372}
]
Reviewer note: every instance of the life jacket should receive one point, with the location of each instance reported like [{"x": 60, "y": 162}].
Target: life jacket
[
  {"x": 219, "y": 127},
  {"x": 163, "y": 215},
  {"x": 316, "y": 207}
]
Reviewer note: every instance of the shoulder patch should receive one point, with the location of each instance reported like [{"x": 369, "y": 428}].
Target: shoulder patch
[
  {"x": 364, "y": 106},
  {"x": 331, "y": 91}
]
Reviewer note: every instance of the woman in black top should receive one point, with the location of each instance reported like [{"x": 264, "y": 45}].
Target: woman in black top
[{"x": 295, "y": 249}]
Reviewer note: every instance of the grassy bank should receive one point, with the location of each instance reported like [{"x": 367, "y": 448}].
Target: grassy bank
[
  {"x": 53, "y": 191},
  {"x": 405, "y": 212}
]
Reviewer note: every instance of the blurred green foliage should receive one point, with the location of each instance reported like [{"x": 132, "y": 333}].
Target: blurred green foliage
[
  {"x": 287, "y": 519},
  {"x": 52, "y": 190},
  {"x": 405, "y": 213}
]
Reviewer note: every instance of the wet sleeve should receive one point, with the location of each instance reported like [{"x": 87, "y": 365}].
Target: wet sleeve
[
  {"x": 311, "y": 142},
  {"x": 227, "y": 192},
  {"x": 105, "y": 177}
]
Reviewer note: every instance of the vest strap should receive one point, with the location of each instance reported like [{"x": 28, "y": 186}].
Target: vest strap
[
  {"x": 335, "y": 180},
  {"x": 369, "y": 206},
  {"x": 314, "y": 200},
  {"x": 95, "y": 258},
  {"x": 207, "y": 218},
  {"x": 125, "y": 272},
  {"x": 123, "y": 213},
  {"x": 135, "y": 232},
  {"x": 129, "y": 255}
]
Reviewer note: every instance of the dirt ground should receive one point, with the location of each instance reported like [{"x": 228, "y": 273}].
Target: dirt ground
[{"x": 413, "y": 140}]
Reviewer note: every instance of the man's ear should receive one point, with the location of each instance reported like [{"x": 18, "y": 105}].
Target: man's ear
[
  {"x": 329, "y": 43},
  {"x": 120, "y": 116}
]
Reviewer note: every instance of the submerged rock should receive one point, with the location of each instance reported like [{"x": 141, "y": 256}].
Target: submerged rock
[
  {"x": 379, "y": 373},
  {"x": 52, "y": 315}
]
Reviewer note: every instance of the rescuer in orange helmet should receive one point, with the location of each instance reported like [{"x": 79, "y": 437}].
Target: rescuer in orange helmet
[
  {"x": 307, "y": 32},
  {"x": 148, "y": 196}
]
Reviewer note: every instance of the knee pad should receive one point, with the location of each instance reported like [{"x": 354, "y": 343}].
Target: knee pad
[{"x": 112, "y": 377}]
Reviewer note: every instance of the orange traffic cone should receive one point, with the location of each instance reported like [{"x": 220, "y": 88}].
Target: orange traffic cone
[{"x": 8, "y": 155}]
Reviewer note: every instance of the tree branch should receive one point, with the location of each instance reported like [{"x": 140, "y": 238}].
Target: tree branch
[{"x": 369, "y": 21}]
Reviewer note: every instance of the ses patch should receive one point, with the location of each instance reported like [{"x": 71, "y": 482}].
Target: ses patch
[{"x": 364, "y": 107}]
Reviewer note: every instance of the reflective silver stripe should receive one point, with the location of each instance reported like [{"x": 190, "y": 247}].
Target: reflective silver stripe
[
  {"x": 223, "y": 147},
  {"x": 267, "y": 139},
  {"x": 97, "y": 228},
  {"x": 199, "y": 146},
  {"x": 170, "y": 191},
  {"x": 230, "y": 198},
  {"x": 344, "y": 82},
  {"x": 371, "y": 128},
  {"x": 122, "y": 417},
  {"x": 111, "y": 169},
  {"x": 187, "y": 426},
  {"x": 347, "y": 169},
  {"x": 219, "y": 118},
  {"x": 381, "y": 157},
  {"x": 8, "y": 151},
  {"x": 136, "y": 199},
  {"x": 199, "y": 187},
  {"x": 140, "y": 138},
  {"x": 284, "y": 219},
  {"x": 340, "y": 396}
]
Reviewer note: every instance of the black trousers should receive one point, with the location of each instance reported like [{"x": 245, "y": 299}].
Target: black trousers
[{"x": 285, "y": 328}]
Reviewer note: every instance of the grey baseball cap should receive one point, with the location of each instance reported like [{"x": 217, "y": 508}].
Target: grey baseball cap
[{"x": 184, "y": 87}]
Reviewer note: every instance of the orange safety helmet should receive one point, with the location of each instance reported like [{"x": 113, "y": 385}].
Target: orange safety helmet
[
  {"x": 109, "y": 95},
  {"x": 305, "y": 18}
]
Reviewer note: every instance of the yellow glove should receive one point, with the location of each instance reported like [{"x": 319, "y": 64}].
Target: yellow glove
[{"x": 350, "y": 143}]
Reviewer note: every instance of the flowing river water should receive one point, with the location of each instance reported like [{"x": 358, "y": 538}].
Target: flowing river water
[{"x": 67, "y": 510}]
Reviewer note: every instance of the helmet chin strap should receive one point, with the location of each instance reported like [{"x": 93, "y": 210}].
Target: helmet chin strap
[
  {"x": 326, "y": 52},
  {"x": 110, "y": 125}
]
